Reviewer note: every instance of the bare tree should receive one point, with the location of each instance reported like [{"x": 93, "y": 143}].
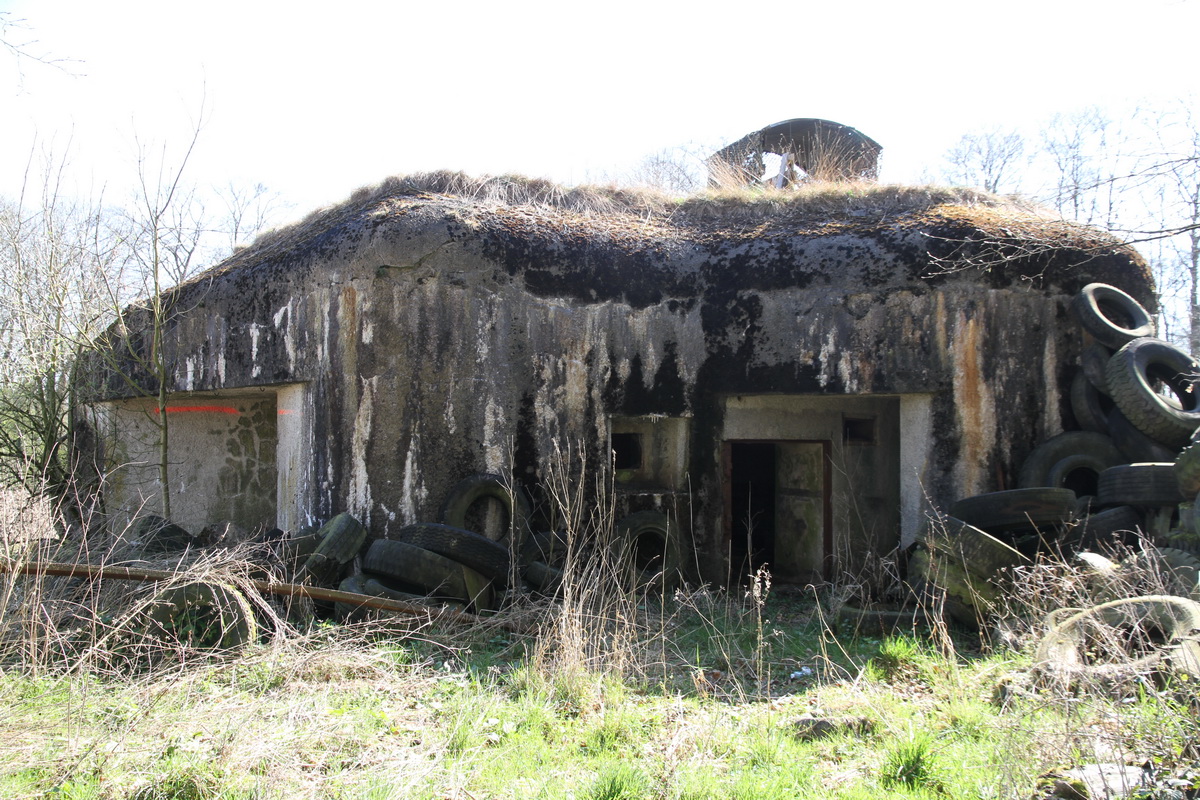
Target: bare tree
[
  {"x": 1138, "y": 177},
  {"x": 248, "y": 210},
  {"x": 1172, "y": 171},
  {"x": 993, "y": 160},
  {"x": 1087, "y": 155},
  {"x": 676, "y": 170},
  {"x": 54, "y": 255},
  {"x": 79, "y": 278},
  {"x": 16, "y": 43}
]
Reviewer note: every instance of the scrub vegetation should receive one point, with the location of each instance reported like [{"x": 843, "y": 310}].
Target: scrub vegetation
[{"x": 601, "y": 693}]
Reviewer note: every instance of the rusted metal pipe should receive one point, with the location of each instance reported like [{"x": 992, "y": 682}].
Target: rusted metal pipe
[{"x": 109, "y": 572}]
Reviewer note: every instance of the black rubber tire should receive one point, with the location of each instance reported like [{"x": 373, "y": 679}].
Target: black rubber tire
[
  {"x": 1133, "y": 373},
  {"x": 159, "y": 536},
  {"x": 1187, "y": 469},
  {"x": 1089, "y": 405},
  {"x": 1146, "y": 484},
  {"x": 484, "y": 485},
  {"x": 1016, "y": 509},
  {"x": 295, "y": 552},
  {"x": 433, "y": 574},
  {"x": 373, "y": 587},
  {"x": 1079, "y": 473},
  {"x": 1106, "y": 530},
  {"x": 1111, "y": 316},
  {"x": 1063, "y": 651},
  {"x": 210, "y": 616},
  {"x": 1135, "y": 445},
  {"x": 342, "y": 538},
  {"x": 652, "y": 546},
  {"x": 1086, "y": 450},
  {"x": 1188, "y": 541},
  {"x": 1093, "y": 363},
  {"x": 549, "y": 547},
  {"x": 489, "y": 558},
  {"x": 977, "y": 551},
  {"x": 547, "y": 579}
]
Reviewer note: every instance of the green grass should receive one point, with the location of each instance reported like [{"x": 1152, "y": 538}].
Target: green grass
[{"x": 359, "y": 714}]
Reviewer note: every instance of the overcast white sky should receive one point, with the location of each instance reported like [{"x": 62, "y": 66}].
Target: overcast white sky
[{"x": 316, "y": 99}]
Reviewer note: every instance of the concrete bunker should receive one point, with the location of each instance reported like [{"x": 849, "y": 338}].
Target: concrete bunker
[{"x": 792, "y": 381}]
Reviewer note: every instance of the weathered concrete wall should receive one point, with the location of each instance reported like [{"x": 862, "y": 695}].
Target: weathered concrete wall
[
  {"x": 221, "y": 459},
  {"x": 435, "y": 339}
]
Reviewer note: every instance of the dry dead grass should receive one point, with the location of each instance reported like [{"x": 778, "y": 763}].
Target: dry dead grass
[{"x": 809, "y": 206}]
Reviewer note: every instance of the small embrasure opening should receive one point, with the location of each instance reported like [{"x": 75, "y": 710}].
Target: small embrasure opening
[
  {"x": 627, "y": 450},
  {"x": 858, "y": 431}
]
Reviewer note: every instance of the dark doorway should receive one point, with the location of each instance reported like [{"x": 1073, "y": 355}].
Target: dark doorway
[
  {"x": 751, "y": 508},
  {"x": 778, "y": 510}
]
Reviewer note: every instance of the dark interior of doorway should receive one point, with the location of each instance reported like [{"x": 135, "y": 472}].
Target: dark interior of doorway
[{"x": 752, "y": 503}]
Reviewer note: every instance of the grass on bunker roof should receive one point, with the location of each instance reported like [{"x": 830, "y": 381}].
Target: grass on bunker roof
[
  {"x": 611, "y": 694},
  {"x": 817, "y": 207}
]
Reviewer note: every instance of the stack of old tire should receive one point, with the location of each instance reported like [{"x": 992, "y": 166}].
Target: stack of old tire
[
  {"x": 440, "y": 563},
  {"x": 449, "y": 564},
  {"x": 1136, "y": 400}
]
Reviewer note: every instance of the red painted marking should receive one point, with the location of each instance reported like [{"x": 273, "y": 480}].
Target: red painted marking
[
  {"x": 283, "y": 411},
  {"x": 208, "y": 409}
]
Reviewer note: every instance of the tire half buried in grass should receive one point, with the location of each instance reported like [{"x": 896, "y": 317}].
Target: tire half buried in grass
[
  {"x": 209, "y": 616},
  {"x": 1121, "y": 639},
  {"x": 1072, "y": 460},
  {"x": 651, "y": 547}
]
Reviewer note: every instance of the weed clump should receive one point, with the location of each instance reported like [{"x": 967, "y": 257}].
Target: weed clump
[{"x": 911, "y": 764}]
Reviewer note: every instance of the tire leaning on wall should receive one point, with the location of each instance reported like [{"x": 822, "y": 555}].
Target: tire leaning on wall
[
  {"x": 487, "y": 557},
  {"x": 1111, "y": 316},
  {"x": 1093, "y": 362},
  {"x": 483, "y": 486},
  {"x": 1089, "y": 405},
  {"x": 427, "y": 572},
  {"x": 1134, "y": 373},
  {"x": 1055, "y": 461}
]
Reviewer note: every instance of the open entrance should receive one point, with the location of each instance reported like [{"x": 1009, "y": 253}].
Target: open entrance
[
  {"x": 233, "y": 457},
  {"x": 778, "y": 509}
]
